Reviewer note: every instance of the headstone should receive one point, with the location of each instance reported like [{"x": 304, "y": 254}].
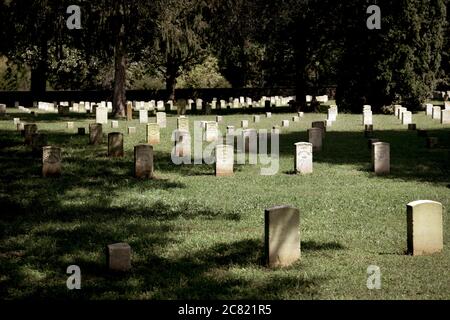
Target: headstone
[
  {"x": 301, "y": 114},
  {"x": 219, "y": 119},
  {"x": 367, "y": 108},
  {"x": 224, "y": 160},
  {"x": 81, "y": 131},
  {"x": 153, "y": 135},
  {"x": 182, "y": 144},
  {"x": 250, "y": 139},
  {"x": 285, "y": 123},
  {"x": 114, "y": 124},
  {"x": 212, "y": 131},
  {"x": 183, "y": 124},
  {"x": 2, "y": 109},
  {"x": 372, "y": 141},
  {"x": 143, "y": 116},
  {"x": 367, "y": 117},
  {"x": 101, "y": 115},
  {"x": 16, "y": 121},
  {"x": 445, "y": 116},
  {"x": 119, "y": 257},
  {"x": 51, "y": 161},
  {"x": 230, "y": 130},
  {"x": 256, "y": 118},
  {"x": 143, "y": 161},
  {"x": 115, "y": 145},
  {"x": 131, "y": 130},
  {"x": 268, "y": 114},
  {"x": 412, "y": 127},
  {"x": 244, "y": 124},
  {"x": 21, "y": 127},
  {"x": 38, "y": 141},
  {"x": 315, "y": 138},
  {"x": 161, "y": 119},
  {"x": 381, "y": 158},
  {"x": 70, "y": 125},
  {"x": 424, "y": 227},
  {"x": 406, "y": 117},
  {"x": 436, "y": 113},
  {"x": 321, "y": 125},
  {"x": 295, "y": 119},
  {"x": 29, "y": 129},
  {"x": 282, "y": 236},
  {"x": 303, "y": 157},
  {"x": 129, "y": 111},
  {"x": 429, "y": 109},
  {"x": 432, "y": 142},
  {"x": 95, "y": 133}
]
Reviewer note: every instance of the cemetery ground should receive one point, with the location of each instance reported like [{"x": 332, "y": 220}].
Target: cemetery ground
[{"x": 197, "y": 236}]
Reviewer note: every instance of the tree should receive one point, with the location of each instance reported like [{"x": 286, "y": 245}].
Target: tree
[
  {"x": 180, "y": 41},
  {"x": 398, "y": 63}
]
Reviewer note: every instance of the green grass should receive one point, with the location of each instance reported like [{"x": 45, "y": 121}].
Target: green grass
[{"x": 196, "y": 236}]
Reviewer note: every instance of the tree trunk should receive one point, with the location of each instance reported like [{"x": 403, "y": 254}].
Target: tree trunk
[
  {"x": 171, "y": 78},
  {"x": 300, "y": 64},
  {"x": 39, "y": 73},
  {"x": 120, "y": 64}
]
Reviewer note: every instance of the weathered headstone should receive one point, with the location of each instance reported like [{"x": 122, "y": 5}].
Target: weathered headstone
[
  {"x": 429, "y": 109},
  {"x": 224, "y": 160},
  {"x": 445, "y": 116},
  {"x": 51, "y": 161},
  {"x": 114, "y": 124},
  {"x": 143, "y": 116},
  {"x": 118, "y": 257},
  {"x": 285, "y": 123},
  {"x": 115, "y": 145},
  {"x": 2, "y": 109},
  {"x": 436, "y": 113},
  {"x": 183, "y": 124},
  {"x": 153, "y": 135},
  {"x": 315, "y": 138},
  {"x": 303, "y": 157},
  {"x": 256, "y": 118},
  {"x": 367, "y": 117},
  {"x": 424, "y": 227},
  {"x": 95, "y": 133},
  {"x": 381, "y": 158},
  {"x": 131, "y": 130},
  {"x": 321, "y": 125},
  {"x": 372, "y": 141},
  {"x": 21, "y": 127},
  {"x": 129, "y": 111},
  {"x": 212, "y": 131},
  {"x": 282, "y": 236},
  {"x": 161, "y": 119},
  {"x": 29, "y": 129},
  {"x": 38, "y": 141},
  {"x": 244, "y": 124},
  {"x": 143, "y": 161},
  {"x": 182, "y": 144},
  {"x": 268, "y": 114},
  {"x": 406, "y": 117}
]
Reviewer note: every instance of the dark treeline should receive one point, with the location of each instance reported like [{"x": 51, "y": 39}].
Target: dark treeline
[{"x": 255, "y": 43}]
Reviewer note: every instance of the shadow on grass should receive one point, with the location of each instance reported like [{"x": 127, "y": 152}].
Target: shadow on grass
[{"x": 218, "y": 272}]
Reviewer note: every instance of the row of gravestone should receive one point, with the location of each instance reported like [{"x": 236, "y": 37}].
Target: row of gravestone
[{"x": 282, "y": 238}]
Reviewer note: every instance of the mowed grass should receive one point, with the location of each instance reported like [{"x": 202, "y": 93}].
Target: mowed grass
[{"x": 196, "y": 236}]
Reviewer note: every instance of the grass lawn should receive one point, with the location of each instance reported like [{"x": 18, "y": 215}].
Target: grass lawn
[{"x": 195, "y": 236}]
